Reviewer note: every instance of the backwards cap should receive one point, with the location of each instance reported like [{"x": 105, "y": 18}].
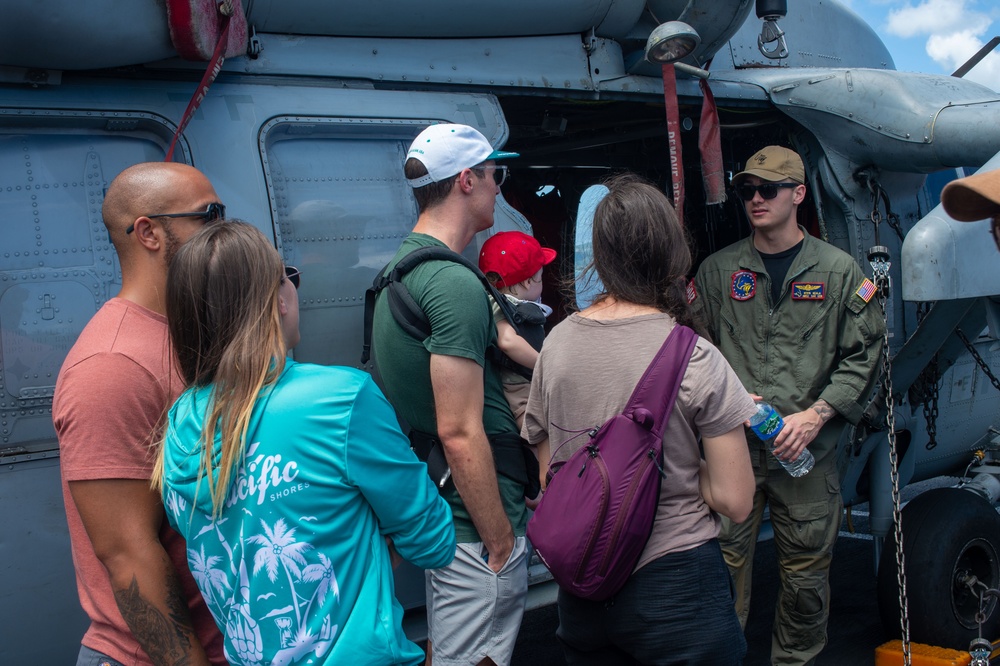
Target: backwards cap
[
  {"x": 445, "y": 150},
  {"x": 514, "y": 256},
  {"x": 773, "y": 164},
  {"x": 973, "y": 198}
]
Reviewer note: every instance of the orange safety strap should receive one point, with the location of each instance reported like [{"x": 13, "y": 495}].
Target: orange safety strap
[{"x": 710, "y": 146}]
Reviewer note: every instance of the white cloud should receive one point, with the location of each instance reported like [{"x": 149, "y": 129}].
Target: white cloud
[
  {"x": 954, "y": 31},
  {"x": 987, "y": 72},
  {"x": 953, "y": 50},
  {"x": 936, "y": 17}
]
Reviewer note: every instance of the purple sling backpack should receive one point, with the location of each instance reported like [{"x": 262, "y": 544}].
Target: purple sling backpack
[{"x": 597, "y": 512}]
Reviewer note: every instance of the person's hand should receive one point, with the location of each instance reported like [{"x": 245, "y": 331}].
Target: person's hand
[
  {"x": 497, "y": 557},
  {"x": 755, "y": 398},
  {"x": 533, "y": 502},
  {"x": 800, "y": 430}
]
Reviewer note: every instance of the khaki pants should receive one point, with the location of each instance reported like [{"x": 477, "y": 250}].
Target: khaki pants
[{"x": 805, "y": 515}]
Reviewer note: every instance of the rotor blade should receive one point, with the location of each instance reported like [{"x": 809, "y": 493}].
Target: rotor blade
[{"x": 974, "y": 60}]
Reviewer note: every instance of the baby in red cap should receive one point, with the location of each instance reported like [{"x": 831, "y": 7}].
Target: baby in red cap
[{"x": 512, "y": 261}]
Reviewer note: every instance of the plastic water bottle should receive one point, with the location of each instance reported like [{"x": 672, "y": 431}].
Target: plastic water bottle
[{"x": 766, "y": 423}]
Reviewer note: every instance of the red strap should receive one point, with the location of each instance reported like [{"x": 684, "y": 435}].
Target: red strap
[
  {"x": 674, "y": 138},
  {"x": 214, "y": 67},
  {"x": 710, "y": 146}
]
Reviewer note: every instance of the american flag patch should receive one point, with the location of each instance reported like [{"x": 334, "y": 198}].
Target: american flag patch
[
  {"x": 692, "y": 292},
  {"x": 866, "y": 290}
]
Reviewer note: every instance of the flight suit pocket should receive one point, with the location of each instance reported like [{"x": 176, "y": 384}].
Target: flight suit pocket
[
  {"x": 728, "y": 324},
  {"x": 810, "y": 524},
  {"x": 814, "y": 337}
]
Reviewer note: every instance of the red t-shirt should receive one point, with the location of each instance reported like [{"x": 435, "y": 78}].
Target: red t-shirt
[{"x": 112, "y": 395}]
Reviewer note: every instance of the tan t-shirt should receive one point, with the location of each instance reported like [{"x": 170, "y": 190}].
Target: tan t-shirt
[
  {"x": 111, "y": 397},
  {"x": 586, "y": 373}
]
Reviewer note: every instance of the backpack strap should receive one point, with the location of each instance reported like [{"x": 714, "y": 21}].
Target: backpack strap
[
  {"x": 371, "y": 294},
  {"x": 653, "y": 399},
  {"x": 411, "y": 318}
]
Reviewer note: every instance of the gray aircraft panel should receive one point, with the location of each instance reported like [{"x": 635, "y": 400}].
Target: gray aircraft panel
[
  {"x": 442, "y": 18},
  {"x": 943, "y": 259},
  {"x": 818, "y": 34},
  {"x": 899, "y": 121},
  {"x": 550, "y": 63}
]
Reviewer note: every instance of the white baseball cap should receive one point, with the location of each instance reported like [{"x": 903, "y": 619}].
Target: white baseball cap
[{"x": 446, "y": 149}]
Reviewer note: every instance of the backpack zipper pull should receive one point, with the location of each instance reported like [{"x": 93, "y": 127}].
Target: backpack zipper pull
[
  {"x": 652, "y": 455},
  {"x": 592, "y": 452}
]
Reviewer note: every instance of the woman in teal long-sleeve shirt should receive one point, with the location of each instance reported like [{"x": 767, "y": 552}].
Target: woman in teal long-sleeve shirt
[{"x": 291, "y": 482}]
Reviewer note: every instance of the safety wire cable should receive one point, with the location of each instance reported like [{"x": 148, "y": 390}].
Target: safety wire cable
[{"x": 879, "y": 258}]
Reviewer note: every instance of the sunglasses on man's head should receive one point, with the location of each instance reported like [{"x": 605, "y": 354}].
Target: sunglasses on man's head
[
  {"x": 746, "y": 191},
  {"x": 212, "y": 213},
  {"x": 294, "y": 275}
]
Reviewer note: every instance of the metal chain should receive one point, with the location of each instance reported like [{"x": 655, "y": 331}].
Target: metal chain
[
  {"x": 929, "y": 385},
  {"x": 979, "y": 360},
  {"x": 931, "y": 401},
  {"x": 879, "y": 259},
  {"x": 879, "y": 195},
  {"x": 980, "y": 648}
]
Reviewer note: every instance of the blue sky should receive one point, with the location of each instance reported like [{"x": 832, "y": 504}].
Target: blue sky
[{"x": 936, "y": 36}]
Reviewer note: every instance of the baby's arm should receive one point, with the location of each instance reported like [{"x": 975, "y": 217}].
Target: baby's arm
[{"x": 514, "y": 346}]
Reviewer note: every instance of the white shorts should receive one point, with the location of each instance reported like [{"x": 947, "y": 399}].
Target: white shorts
[{"x": 473, "y": 613}]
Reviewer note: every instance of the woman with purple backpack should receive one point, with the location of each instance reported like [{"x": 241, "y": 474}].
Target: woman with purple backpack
[{"x": 677, "y": 605}]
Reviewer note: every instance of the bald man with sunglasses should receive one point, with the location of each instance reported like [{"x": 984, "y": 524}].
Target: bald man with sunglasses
[
  {"x": 796, "y": 319},
  {"x": 112, "y": 393}
]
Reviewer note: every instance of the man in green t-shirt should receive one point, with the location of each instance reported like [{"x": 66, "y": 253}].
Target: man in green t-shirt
[{"x": 446, "y": 388}]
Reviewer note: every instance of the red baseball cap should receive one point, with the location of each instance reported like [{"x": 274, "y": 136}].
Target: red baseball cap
[{"x": 514, "y": 256}]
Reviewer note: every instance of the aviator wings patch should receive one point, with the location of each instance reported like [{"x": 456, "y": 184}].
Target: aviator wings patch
[{"x": 808, "y": 291}]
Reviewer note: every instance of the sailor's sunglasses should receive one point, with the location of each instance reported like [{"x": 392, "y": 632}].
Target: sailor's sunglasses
[
  {"x": 499, "y": 172},
  {"x": 995, "y": 229},
  {"x": 746, "y": 191},
  {"x": 212, "y": 213},
  {"x": 294, "y": 275}
]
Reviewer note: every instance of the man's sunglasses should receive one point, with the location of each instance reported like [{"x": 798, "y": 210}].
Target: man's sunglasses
[
  {"x": 995, "y": 229},
  {"x": 294, "y": 275},
  {"x": 212, "y": 213},
  {"x": 746, "y": 191},
  {"x": 499, "y": 173}
]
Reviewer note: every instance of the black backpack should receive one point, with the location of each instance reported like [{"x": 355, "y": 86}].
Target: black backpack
[{"x": 527, "y": 321}]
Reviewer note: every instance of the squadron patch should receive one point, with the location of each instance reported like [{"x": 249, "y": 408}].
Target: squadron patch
[
  {"x": 692, "y": 292},
  {"x": 866, "y": 290},
  {"x": 744, "y": 285},
  {"x": 808, "y": 291}
]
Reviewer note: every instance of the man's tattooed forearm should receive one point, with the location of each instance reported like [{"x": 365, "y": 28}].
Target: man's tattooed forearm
[
  {"x": 825, "y": 411},
  {"x": 165, "y": 639}
]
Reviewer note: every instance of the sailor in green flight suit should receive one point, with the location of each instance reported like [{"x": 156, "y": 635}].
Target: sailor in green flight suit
[{"x": 796, "y": 319}]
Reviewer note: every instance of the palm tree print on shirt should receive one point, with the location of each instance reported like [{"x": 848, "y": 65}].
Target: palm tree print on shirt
[{"x": 278, "y": 546}]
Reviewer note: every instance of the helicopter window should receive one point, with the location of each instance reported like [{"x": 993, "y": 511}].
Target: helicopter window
[
  {"x": 58, "y": 265},
  {"x": 337, "y": 198}
]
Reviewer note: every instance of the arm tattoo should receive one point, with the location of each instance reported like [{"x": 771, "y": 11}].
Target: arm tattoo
[
  {"x": 823, "y": 408},
  {"x": 165, "y": 639}
]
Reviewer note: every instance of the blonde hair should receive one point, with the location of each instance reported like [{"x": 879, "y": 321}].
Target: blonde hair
[{"x": 225, "y": 328}]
